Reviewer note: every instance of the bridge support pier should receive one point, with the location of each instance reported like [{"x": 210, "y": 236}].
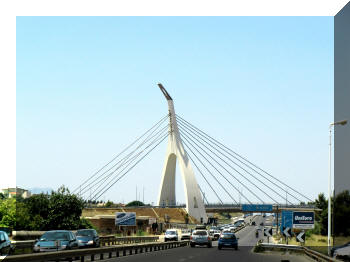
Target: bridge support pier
[{"x": 175, "y": 151}]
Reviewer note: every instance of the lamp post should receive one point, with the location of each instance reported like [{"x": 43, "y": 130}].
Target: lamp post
[{"x": 343, "y": 122}]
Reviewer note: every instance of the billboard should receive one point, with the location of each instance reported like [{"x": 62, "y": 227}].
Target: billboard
[
  {"x": 125, "y": 219},
  {"x": 303, "y": 220}
]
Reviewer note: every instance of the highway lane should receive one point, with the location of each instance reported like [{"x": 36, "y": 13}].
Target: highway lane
[{"x": 247, "y": 240}]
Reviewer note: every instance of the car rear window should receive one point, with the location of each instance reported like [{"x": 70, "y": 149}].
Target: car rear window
[
  {"x": 200, "y": 233},
  {"x": 51, "y": 236},
  {"x": 228, "y": 236},
  {"x": 85, "y": 233}
]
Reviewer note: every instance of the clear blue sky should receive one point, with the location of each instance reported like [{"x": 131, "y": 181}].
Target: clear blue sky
[{"x": 86, "y": 88}]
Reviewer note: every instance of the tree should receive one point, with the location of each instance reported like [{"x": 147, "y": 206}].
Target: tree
[
  {"x": 59, "y": 210},
  {"x": 109, "y": 204},
  {"x": 64, "y": 210},
  {"x": 322, "y": 217},
  {"x": 341, "y": 213},
  {"x": 135, "y": 203}
]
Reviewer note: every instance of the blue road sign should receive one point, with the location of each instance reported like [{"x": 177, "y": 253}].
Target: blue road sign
[
  {"x": 256, "y": 208},
  {"x": 125, "y": 218},
  {"x": 303, "y": 220},
  {"x": 287, "y": 219}
]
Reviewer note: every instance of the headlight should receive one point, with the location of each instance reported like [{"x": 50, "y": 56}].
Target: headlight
[
  {"x": 36, "y": 247},
  {"x": 63, "y": 246},
  {"x": 90, "y": 242}
]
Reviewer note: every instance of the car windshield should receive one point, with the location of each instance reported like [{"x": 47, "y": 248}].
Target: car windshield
[
  {"x": 200, "y": 233},
  {"x": 51, "y": 236},
  {"x": 170, "y": 233},
  {"x": 228, "y": 236},
  {"x": 85, "y": 233}
]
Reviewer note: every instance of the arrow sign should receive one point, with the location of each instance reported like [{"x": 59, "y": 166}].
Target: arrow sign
[
  {"x": 287, "y": 232},
  {"x": 268, "y": 232},
  {"x": 301, "y": 237}
]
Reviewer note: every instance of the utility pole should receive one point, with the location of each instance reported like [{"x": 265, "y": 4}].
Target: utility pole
[{"x": 143, "y": 195}]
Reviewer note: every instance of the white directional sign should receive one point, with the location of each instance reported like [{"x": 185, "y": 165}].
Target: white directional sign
[
  {"x": 301, "y": 237},
  {"x": 287, "y": 232},
  {"x": 268, "y": 232}
]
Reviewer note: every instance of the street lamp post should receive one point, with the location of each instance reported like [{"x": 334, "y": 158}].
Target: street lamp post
[{"x": 343, "y": 122}]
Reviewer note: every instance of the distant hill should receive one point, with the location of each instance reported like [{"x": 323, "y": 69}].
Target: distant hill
[{"x": 39, "y": 190}]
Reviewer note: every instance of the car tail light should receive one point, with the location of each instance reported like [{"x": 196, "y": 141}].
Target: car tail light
[
  {"x": 190, "y": 237},
  {"x": 208, "y": 238}
]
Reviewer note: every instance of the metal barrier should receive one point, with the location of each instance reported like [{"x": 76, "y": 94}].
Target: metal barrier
[
  {"x": 113, "y": 240},
  {"x": 307, "y": 251},
  {"x": 101, "y": 252}
]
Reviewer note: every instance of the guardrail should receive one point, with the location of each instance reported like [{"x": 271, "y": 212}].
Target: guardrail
[
  {"x": 101, "y": 252},
  {"x": 307, "y": 251},
  {"x": 113, "y": 240}
]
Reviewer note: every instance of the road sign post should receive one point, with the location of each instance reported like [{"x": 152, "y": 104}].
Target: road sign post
[
  {"x": 268, "y": 233},
  {"x": 287, "y": 232},
  {"x": 301, "y": 237}
]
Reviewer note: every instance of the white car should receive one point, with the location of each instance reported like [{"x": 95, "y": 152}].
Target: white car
[
  {"x": 171, "y": 235},
  {"x": 200, "y": 237},
  {"x": 185, "y": 234}
]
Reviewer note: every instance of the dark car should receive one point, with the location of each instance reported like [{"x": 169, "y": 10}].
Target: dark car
[
  {"x": 56, "y": 240},
  {"x": 228, "y": 240},
  {"x": 5, "y": 244},
  {"x": 88, "y": 238}
]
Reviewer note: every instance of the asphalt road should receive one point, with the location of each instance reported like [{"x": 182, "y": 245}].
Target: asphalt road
[{"x": 247, "y": 240}]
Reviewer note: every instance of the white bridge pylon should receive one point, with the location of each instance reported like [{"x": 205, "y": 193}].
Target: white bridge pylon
[{"x": 175, "y": 151}]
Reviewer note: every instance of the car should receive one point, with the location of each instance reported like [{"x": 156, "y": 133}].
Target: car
[
  {"x": 232, "y": 229},
  {"x": 88, "y": 238},
  {"x": 6, "y": 247},
  {"x": 239, "y": 223},
  {"x": 342, "y": 251},
  {"x": 56, "y": 240},
  {"x": 201, "y": 227},
  {"x": 171, "y": 235},
  {"x": 185, "y": 234},
  {"x": 200, "y": 237},
  {"x": 216, "y": 234},
  {"x": 228, "y": 240}
]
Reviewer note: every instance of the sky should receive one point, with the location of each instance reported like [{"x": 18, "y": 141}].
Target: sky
[{"x": 87, "y": 87}]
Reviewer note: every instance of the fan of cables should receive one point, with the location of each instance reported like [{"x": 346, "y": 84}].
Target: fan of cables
[
  {"x": 107, "y": 176},
  {"x": 228, "y": 174}
]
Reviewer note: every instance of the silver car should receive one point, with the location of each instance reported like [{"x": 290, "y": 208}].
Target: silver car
[{"x": 201, "y": 238}]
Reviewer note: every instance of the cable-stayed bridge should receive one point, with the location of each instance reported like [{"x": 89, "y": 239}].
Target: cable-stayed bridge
[{"x": 222, "y": 170}]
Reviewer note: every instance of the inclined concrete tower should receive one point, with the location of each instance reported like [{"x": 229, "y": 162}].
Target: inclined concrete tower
[{"x": 175, "y": 151}]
